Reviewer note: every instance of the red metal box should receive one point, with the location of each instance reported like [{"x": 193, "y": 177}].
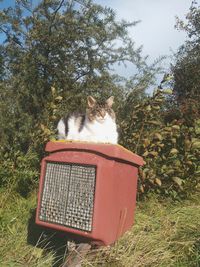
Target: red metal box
[{"x": 88, "y": 190}]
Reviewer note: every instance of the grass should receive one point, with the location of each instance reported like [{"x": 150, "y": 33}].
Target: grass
[{"x": 165, "y": 234}]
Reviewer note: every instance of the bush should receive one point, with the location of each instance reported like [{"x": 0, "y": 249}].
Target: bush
[
  {"x": 19, "y": 171},
  {"x": 170, "y": 148},
  {"x": 20, "y": 165}
]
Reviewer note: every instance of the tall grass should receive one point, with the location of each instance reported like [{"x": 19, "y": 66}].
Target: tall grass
[{"x": 165, "y": 234}]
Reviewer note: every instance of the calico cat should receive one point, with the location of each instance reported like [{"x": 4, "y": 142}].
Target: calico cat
[{"x": 96, "y": 125}]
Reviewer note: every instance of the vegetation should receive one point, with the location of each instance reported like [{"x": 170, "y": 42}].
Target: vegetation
[
  {"x": 166, "y": 233},
  {"x": 163, "y": 235},
  {"x": 165, "y": 128},
  {"x": 187, "y": 66},
  {"x": 170, "y": 147},
  {"x": 54, "y": 55}
]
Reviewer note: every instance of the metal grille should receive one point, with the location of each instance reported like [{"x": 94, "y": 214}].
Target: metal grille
[{"x": 68, "y": 195}]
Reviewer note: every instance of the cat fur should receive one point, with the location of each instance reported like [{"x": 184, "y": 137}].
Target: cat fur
[{"x": 96, "y": 125}]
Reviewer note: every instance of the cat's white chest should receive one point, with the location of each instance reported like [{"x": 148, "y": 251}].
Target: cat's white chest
[{"x": 95, "y": 131}]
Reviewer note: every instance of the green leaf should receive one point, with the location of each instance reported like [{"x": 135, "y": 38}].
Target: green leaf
[
  {"x": 145, "y": 154},
  {"x": 53, "y": 90},
  {"x": 148, "y": 108},
  {"x": 177, "y": 180},
  {"x": 158, "y": 136},
  {"x": 196, "y": 145},
  {"x": 153, "y": 153},
  {"x": 154, "y": 122},
  {"x": 59, "y": 98},
  {"x": 173, "y": 151},
  {"x": 158, "y": 181},
  {"x": 156, "y": 107},
  {"x": 167, "y": 91},
  {"x": 176, "y": 127},
  {"x": 146, "y": 142}
]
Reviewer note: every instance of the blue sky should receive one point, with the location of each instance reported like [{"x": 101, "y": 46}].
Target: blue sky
[
  {"x": 6, "y": 3},
  {"x": 156, "y": 31}
]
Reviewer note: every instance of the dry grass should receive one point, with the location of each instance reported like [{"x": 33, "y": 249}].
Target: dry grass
[{"x": 165, "y": 234}]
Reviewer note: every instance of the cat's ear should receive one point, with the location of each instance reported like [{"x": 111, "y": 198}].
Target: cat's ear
[
  {"x": 110, "y": 101},
  {"x": 91, "y": 101}
]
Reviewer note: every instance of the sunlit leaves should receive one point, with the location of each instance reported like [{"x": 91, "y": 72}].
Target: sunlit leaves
[{"x": 170, "y": 149}]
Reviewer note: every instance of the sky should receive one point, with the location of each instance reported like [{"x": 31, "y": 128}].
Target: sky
[{"x": 156, "y": 31}]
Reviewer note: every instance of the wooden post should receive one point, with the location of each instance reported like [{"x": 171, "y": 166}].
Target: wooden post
[{"x": 76, "y": 256}]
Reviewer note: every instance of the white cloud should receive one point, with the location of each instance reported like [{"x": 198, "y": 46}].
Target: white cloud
[{"x": 156, "y": 31}]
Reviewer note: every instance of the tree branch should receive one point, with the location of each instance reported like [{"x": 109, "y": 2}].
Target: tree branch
[{"x": 54, "y": 15}]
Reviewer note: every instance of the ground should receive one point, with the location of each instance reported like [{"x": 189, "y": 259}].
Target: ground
[{"x": 165, "y": 233}]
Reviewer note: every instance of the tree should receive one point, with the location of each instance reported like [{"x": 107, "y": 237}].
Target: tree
[
  {"x": 69, "y": 46},
  {"x": 187, "y": 65}
]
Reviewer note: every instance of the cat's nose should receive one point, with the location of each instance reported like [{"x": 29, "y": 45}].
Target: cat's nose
[{"x": 103, "y": 114}]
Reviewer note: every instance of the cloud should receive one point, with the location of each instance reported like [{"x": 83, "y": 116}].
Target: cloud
[{"x": 156, "y": 31}]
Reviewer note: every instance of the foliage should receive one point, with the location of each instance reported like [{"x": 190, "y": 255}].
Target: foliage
[
  {"x": 170, "y": 148},
  {"x": 20, "y": 170},
  {"x": 163, "y": 235},
  {"x": 54, "y": 54},
  {"x": 58, "y": 52},
  {"x": 15, "y": 216},
  {"x": 186, "y": 69}
]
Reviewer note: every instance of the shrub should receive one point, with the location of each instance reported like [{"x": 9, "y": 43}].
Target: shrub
[
  {"x": 170, "y": 148},
  {"x": 20, "y": 167}
]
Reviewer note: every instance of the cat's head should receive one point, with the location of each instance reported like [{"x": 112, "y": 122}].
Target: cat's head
[{"x": 100, "y": 111}]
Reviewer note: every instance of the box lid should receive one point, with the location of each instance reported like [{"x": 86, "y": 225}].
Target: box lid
[{"x": 116, "y": 152}]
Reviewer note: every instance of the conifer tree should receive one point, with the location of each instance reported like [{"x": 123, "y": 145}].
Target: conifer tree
[{"x": 68, "y": 45}]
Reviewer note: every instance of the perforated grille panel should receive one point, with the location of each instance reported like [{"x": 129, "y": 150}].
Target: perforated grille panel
[{"x": 68, "y": 195}]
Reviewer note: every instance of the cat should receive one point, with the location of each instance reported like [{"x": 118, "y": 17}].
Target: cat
[{"x": 96, "y": 125}]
